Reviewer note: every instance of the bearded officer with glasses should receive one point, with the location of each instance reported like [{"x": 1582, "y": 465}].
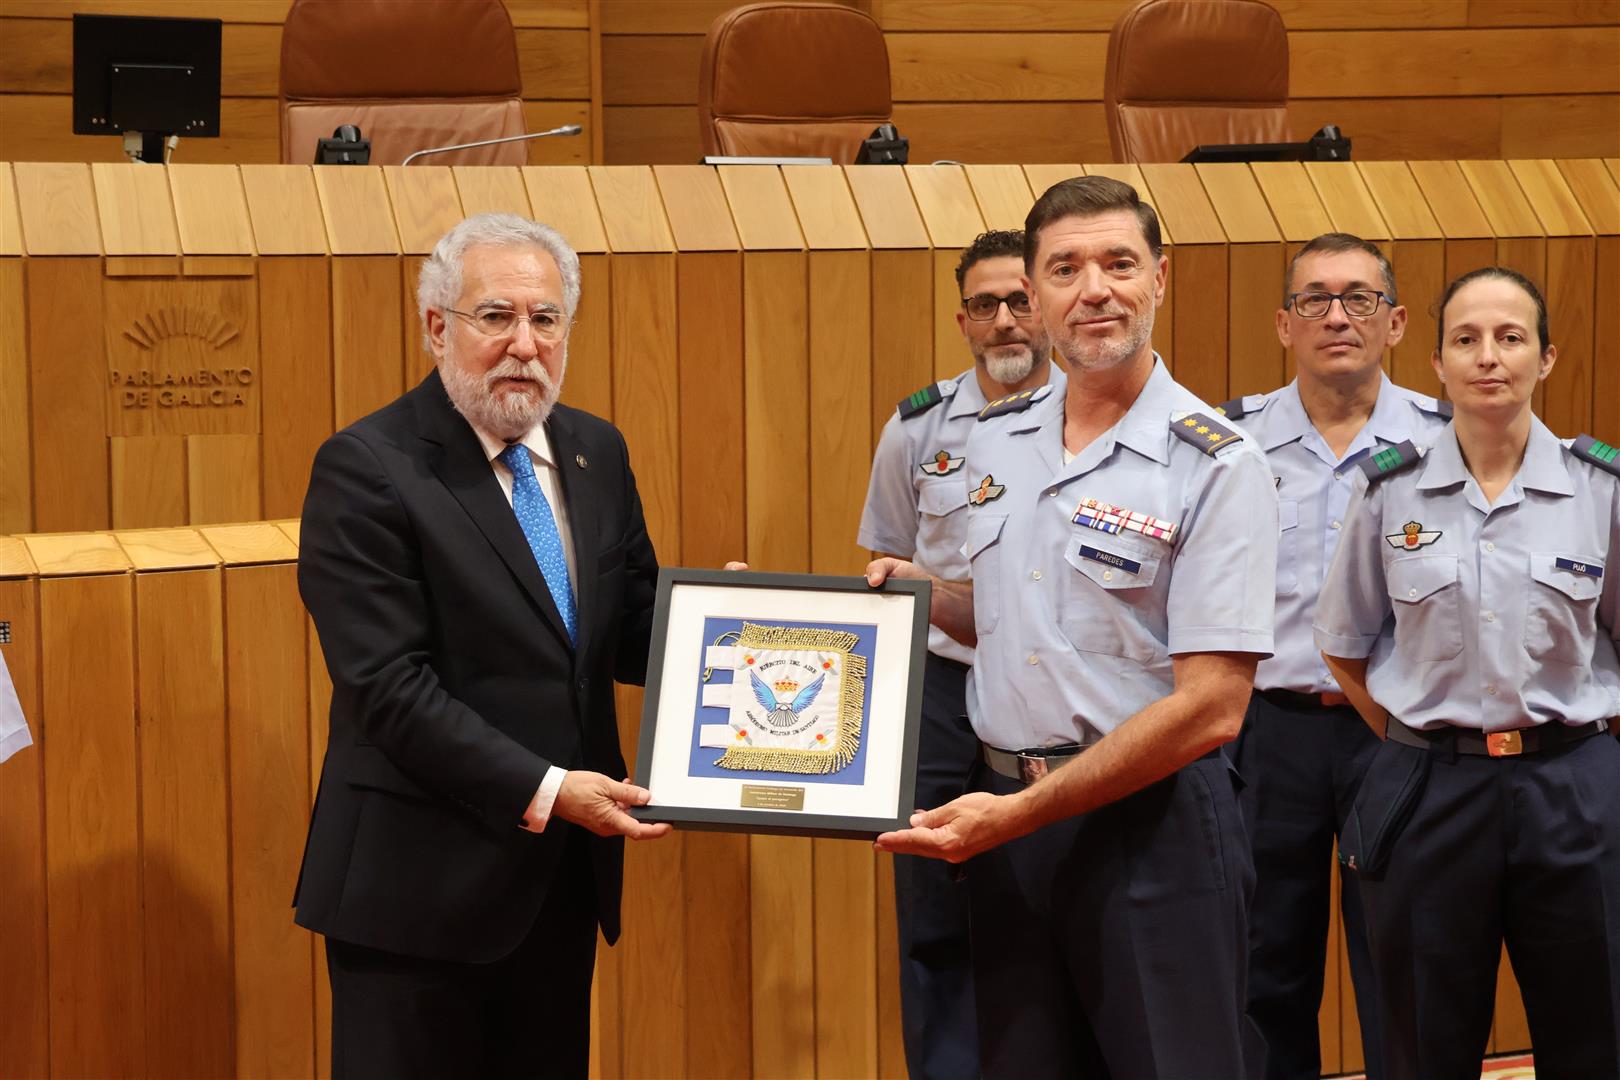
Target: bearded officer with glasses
[
  {"x": 477, "y": 565},
  {"x": 916, "y": 509},
  {"x": 1303, "y": 749}
]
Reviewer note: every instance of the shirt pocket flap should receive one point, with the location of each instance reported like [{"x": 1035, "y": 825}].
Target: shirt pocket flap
[
  {"x": 1417, "y": 577},
  {"x": 1287, "y": 514},
  {"x": 982, "y": 531},
  {"x": 942, "y": 497},
  {"x": 1577, "y": 584},
  {"x": 1113, "y": 561}
]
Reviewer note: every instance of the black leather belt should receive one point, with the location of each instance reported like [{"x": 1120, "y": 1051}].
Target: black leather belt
[
  {"x": 1294, "y": 701},
  {"x": 1030, "y": 765},
  {"x": 1528, "y": 740}
]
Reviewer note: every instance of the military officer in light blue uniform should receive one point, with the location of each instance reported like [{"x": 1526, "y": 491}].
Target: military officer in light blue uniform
[
  {"x": 916, "y": 508},
  {"x": 1123, "y": 549},
  {"x": 1474, "y": 599},
  {"x": 1304, "y": 748}
]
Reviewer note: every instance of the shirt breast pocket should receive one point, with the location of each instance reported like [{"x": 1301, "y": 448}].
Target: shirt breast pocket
[
  {"x": 1288, "y": 546},
  {"x": 1108, "y": 594},
  {"x": 1427, "y": 599},
  {"x": 983, "y": 548},
  {"x": 1560, "y": 622},
  {"x": 941, "y": 497}
]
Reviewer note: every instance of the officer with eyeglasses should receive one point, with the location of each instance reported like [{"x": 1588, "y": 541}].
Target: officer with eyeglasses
[
  {"x": 1304, "y": 749},
  {"x": 916, "y": 509}
]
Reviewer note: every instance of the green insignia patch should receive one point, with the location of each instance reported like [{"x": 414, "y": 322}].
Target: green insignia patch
[
  {"x": 1390, "y": 460},
  {"x": 1597, "y": 452},
  {"x": 920, "y": 401}
]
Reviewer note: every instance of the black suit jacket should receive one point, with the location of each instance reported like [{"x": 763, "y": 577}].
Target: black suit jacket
[{"x": 454, "y": 683}]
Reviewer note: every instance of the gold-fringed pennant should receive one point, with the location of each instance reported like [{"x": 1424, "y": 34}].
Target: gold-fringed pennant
[{"x": 824, "y": 648}]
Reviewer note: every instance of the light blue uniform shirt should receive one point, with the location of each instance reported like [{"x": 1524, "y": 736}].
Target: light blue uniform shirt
[
  {"x": 1314, "y": 486},
  {"x": 915, "y": 503},
  {"x": 1076, "y": 624},
  {"x": 1480, "y": 616}
]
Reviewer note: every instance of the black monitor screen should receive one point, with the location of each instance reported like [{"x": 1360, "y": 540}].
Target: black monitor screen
[{"x": 139, "y": 73}]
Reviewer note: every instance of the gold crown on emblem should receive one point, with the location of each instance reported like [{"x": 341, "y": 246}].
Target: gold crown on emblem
[{"x": 786, "y": 686}]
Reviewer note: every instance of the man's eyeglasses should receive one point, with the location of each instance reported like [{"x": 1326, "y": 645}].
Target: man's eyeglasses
[
  {"x": 1358, "y": 302},
  {"x": 502, "y": 322},
  {"x": 983, "y": 307}
]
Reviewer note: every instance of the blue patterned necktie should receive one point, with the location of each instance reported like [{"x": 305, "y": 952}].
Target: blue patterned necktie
[{"x": 540, "y": 527}]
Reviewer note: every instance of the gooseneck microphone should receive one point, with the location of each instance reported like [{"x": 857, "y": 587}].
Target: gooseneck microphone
[{"x": 566, "y": 129}]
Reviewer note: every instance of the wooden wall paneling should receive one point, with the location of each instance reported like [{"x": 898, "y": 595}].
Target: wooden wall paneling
[
  {"x": 761, "y": 207},
  {"x": 1571, "y": 272},
  {"x": 951, "y": 216},
  {"x": 1558, "y": 125},
  {"x": 419, "y": 359},
  {"x": 545, "y": 115},
  {"x": 1334, "y": 977},
  {"x": 284, "y": 209},
  {"x": 1450, "y": 62},
  {"x": 16, "y": 443},
  {"x": 167, "y": 549},
  {"x": 1022, "y": 131},
  {"x": 267, "y": 702},
  {"x": 295, "y": 357},
  {"x": 848, "y": 1021},
  {"x": 1197, "y": 300},
  {"x": 1600, "y": 200},
  {"x": 10, "y": 224},
  {"x": 1051, "y": 66},
  {"x": 136, "y": 210},
  {"x": 75, "y": 553},
  {"x": 1043, "y": 176},
  {"x": 92, "y": 855},
  {"x": 1417, "y": 253},
  {"x": 902, "y": 330},
  {"x": 1297, "y": 210},
  {"x": 185, "y": 859},
  {"x": 69, "y": 424},
  {"x": 825, "y": 207},
  {"x": 1255, "y": 263},
  {"x": 1521, "y": 242},
  {"x": 426, "y": 205},
  {"x": 57, "y": 206},
  {"x": 210, "y": 210},
  {"x": 1469, "y": 239},
  {"x": 148, "y": 480},
  {"x": 1346, "y": 199},
  {"x": 24, "y": 967},
  {"x": 713, "y": 530},
  {"x": 887, "y": 208},
  {"x": 1511, "y": 1030},
  {"x": 491, "y": 188},
  {"x": 632, "y": 212},
  {"x": 1003, "y": 194},
  {"x": 223, "y": 479},
  {"x": 777, "y": 444},
  {"x": 320, "y": 706},
  {"x": 695, "y": 205},
  {"x": 589, "y": 381},
  {"x": 565, "y": 199},
  {"x": 367, "y": 338},
  {"x": 646, "y": 407},
  {"x": 355, "y": 209}
]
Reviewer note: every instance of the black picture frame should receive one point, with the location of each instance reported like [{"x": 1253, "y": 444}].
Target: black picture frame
[{"x": 655, "y": 710}]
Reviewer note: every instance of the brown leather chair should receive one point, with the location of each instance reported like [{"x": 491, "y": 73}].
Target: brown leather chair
[
  {"x": 409, "y": 73},
  {"x": 1187, "y": 72},
  {"x": 792, "y": 80}
]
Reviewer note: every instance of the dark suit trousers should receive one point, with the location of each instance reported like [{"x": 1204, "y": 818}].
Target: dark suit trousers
[
  {"x": 525, "y": 1015},
  {"x": 1301, "y": 769},
  {"x": 1114, "y": 945},
  {"x": 931, "y": 906}
]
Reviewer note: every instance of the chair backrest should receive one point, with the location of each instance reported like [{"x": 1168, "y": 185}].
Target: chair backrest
[
  {"x": 792, "y": 80},
  {"x": 410, "y": 73},
  {"x": 1187, "y": 72}
]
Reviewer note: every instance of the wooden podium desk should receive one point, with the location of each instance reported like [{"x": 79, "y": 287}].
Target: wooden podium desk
[{"x": 176, "y": 341}]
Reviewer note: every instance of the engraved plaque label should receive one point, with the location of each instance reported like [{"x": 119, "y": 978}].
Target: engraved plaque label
[{"x": 771, "y": 797}]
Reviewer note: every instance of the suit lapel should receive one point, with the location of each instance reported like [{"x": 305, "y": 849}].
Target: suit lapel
[
  {"x": 461, "y": 466},
  {"x": 578, "y": 493}
]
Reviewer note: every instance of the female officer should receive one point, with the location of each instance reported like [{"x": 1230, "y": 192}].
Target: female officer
[{"x": 1474, "y": 598}]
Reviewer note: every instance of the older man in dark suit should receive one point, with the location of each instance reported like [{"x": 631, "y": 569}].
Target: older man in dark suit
[{"x": 478, "y": 568}]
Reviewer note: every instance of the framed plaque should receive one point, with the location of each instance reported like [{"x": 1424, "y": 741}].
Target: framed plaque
[{"x": 783, "y": 703}]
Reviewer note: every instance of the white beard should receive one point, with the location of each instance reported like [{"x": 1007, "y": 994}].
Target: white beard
[
  {"x": 505, "y": 416},
  {"x": 1008, "y": 370}
]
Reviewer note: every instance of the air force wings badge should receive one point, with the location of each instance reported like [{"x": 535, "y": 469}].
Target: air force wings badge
[
  {"x": 941, "y": 464},
  {"x": 987, "y": 491},
  {"x": 1411, "y": 537}
]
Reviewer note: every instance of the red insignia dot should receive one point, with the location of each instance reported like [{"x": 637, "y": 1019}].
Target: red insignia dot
[
  {"x": 748, "y": 660},
  {"x": 826, "y": 665}
]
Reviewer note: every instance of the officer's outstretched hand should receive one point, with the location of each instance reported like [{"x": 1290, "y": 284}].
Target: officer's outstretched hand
[
  {"x": 955, "y": 832},
  {"x": 880, "y": 570},
  {"x": 598, "y": 803}
]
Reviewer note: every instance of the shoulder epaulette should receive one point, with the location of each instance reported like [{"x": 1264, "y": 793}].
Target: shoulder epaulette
[
  {"x": 919, "y": 402},
  {"x": 1203, "y": 431},
  {"x": 1596, "y": 452},
  {"x": 1015, "y": 402},
  {"x": 1238, "y": 408},
  {"x": 1438, "y": 406},
  {"x": 1390, "y": 460}
]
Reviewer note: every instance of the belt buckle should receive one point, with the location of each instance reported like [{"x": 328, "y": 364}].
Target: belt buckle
[
  {"x": 1031, "y": 768},
  {"x": 1504, "y": 744}
]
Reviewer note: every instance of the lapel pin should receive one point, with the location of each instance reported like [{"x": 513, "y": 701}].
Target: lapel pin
[{"x": 579, "y": 459}]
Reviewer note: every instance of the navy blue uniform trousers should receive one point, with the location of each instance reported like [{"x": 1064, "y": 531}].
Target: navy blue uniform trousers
[
  {"x": 1302, "y": 765},
  {"x": 1114, "y": 944},
  {"x": 931, "y": 906},
  {"x": 1524, "y": 850}
]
